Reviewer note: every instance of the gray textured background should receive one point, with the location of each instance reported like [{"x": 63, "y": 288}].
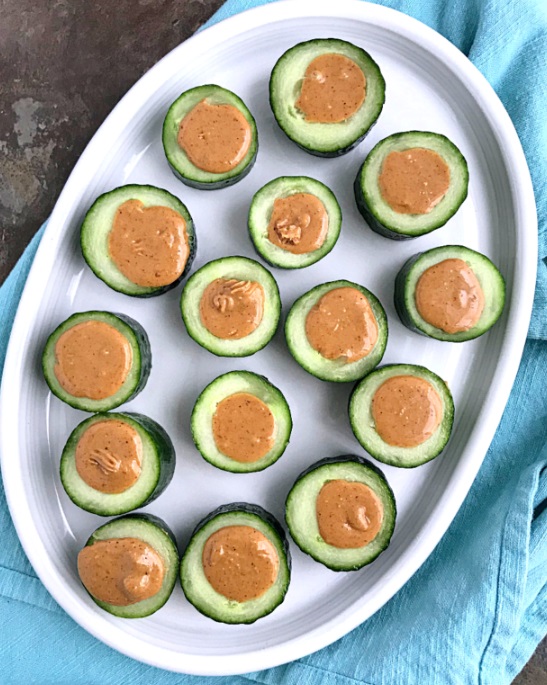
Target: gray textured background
[{"x": 63, "y": 65}]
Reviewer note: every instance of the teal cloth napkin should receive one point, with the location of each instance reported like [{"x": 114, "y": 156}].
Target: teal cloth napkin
[{"x": 477, "y": 608}]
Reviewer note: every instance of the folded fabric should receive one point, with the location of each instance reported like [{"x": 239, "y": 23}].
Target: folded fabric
[{"x": 477, "y": 608}]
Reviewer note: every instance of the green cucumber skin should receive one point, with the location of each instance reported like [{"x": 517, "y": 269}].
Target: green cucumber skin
[
  {"x": 327, "y": 461},
  {"x": 340, "y": 152},
  {"x": 216, "y": 185},
  {"x": 142, "y": 516},
  {"x": 371, "y": 220},
  {"x": 153, "y": 292},
  {"x": 146, "y": 352}
]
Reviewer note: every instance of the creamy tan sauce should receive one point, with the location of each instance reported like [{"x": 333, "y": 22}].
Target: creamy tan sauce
[
  {"x": 342, "y": 325},
  {"x": 449, "y": 296},
  {"x": 215, "y": 138},
  {"x": 333, "y": 89},
  {"x": 243, "y": 427},
  {"x": 121, "y": 571},
  {"x": 92, "y": 359},
  {"x": 240, "y": 562},
  {"x": 299, "y": 223},
  {"x": 414, "y": 181},
  {"x": 149, "y": 245},
  {"x": 108, "y": 456},
  {"x": 407, "y": 410},
  {"x": 349, "y": 515},
  {"x": 231, "y": 309}
]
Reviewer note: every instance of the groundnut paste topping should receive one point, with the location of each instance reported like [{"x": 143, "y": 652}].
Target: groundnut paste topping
[
  {"x": 299, "y": 223},
  {"x": 232, "y": 309},
  {"x": 349, "y": 514},
  {"x": 121, "y": 571},
  {"x": 342, "y": 325},
  {"x": 108, "y": 456},
  {"x": 449, "y": 296},
  {"x": 240, "y": 562},
  {"x": 414, "y": 181},
  {"x": 243, "y": 427},
  {"x": 407, "y": 410},
  {"x": 333, "y": 89},
  {"x": 215, "y": 138},
  {"x": 149, "y": 245},
  {"x": 92, "y": 359}
]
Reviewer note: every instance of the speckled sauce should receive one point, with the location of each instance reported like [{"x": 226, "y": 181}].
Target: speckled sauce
[
  {"x": 240, "y": 562},
  {"x": 449, "y": 296},
  {"x": 342, "y": 325},
  {"x": 407, "y": 410},
  {"x": 232, "y": 309},
  {"x": 92, "y": 359},
  {"x": 108, "y": 456},
  {"x": 349, "y": 514},
  {"x": 414, "y": 181},
  {"x": 215, "y": 138},
  {"x": 333, "y": 89},
  {"x": 299, "y": 223},
  {"x": 121, "y": 571},
  {"x": 243, "y": 427},
  {"x": 149, "y": 245}
]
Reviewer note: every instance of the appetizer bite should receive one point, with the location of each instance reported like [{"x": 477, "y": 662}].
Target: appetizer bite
[
  {"x": 115, "y": 463},
  {"x": 337, "y": 331},
  {"x": 326, "y": 94},
  {"x": 294, "y": 221},
  {"x": 449, "y": 293},
  {"x": 402, "y": 414},
  {"x": 95, "y": 361},
  {"x": 410, "y": 184},
  {"x": 231, "y": 306},
  {"x": 210, "y": 138},
  {"x": 241, "y": 422},
  {"x": 237, "y": 566},
  {"x": 139, "y": 240},
  {"x": 341, "y": 511},
  {"x": 129, "y": 566}
]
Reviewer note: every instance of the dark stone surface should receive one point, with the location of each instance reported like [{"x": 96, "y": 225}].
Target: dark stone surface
[{"x": 63, "y": 65}]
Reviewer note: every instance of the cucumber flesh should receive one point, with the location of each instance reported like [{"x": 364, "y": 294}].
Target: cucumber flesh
[
  {"x": 97, "y": 225},
  {"x": 362, "y": 422},
  {"x": 260, "y": 214},
  {"x": 301, "y": 517}
]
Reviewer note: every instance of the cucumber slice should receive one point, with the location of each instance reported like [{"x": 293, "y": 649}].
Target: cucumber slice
[
  {"x": 197, "y": 588},
  {"x": 157, "y": 468},
  {"x": 261, "y": 210},
  {"x": 138, "y": 373},
  {"x": 379, "y": 214},
  {"x": 181, "y": 166},
  {"x": 154, "y": 532},
  {"x": 489, "y": 277},
  {"x": 362, "y": 422},
  {"x": 98, "y": 223},
  {"x": 310, "y": 359},
  {"x": 301, "y": 517},
  {"x": 324, "y": 139},
  {"x": 243, "y": 269},
  {"x": 224, "y": 386}
]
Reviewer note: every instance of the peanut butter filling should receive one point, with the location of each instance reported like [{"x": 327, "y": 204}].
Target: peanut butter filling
[
  {"x": 342, "y": 325},
  {"x": 407, "y": 410},
  {"x": 215, "y": 138},
  {"x": 108, "y": 456},
  {"x": 449, "y": 296},
  {"x": 92, "y": 359},
  {"x": 149, "y": 245},
  {"x": 333, "y": 89},
  {"x": 243, "y": 427},
  {"x": 414, "y": 181},
  {"x": 121, "y": 571},
  {"x": 240, "y": 562},
  {"x": 349, "y": 514},
  {"x": 232, "y": 309},
  {"x": 299, "y": 223}
]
